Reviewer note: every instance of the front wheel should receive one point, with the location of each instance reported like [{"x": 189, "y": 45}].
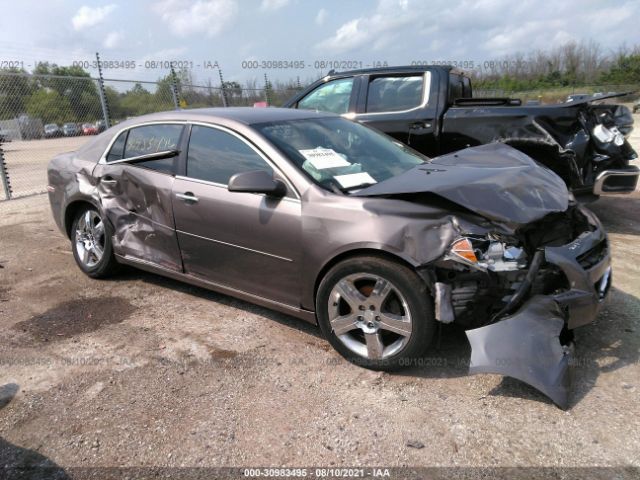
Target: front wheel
[
  {"x": 92, "y": 248},
  {"x": 375, "y": 312}
]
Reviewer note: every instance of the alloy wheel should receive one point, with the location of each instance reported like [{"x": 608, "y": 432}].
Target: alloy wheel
[
  {"x": 90, "y": 238},
  {"x": 369, "y": 315}
]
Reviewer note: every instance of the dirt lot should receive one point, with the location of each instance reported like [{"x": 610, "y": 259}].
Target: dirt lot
[{"x": 145, "y": 371}]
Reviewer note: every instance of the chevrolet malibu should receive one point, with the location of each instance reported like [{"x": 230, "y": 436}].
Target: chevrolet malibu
[{"x": 337, "y": 224}]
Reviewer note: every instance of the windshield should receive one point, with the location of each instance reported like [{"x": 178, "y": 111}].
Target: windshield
[{"x": 339, "y": 154}]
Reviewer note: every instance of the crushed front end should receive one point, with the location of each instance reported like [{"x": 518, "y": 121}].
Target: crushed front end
[
  {"x": 610, "y": 169},
  {"x": 520, "y": 294}
]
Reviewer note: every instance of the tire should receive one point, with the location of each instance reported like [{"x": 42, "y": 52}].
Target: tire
[
  {"x": 375, "y": 312},
  {"x": 89, "y": 237}
]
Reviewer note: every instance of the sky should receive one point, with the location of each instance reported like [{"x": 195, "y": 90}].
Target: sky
[{"x": 239, "y": 35}]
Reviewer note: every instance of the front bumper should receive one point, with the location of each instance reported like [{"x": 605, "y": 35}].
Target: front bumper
[
  {"x": 586, "y": 262},
  {"x": 621, "y": 180},
  {"x": 527, "y": 343}
]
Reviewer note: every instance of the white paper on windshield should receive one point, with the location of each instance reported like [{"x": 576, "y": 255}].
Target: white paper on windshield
[
  {"x": 322, "y": 158},
  {"x": 354, "y": 179}
]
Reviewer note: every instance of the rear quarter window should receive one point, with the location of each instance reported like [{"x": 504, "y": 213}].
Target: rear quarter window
[{"x": 117, "y": 149}]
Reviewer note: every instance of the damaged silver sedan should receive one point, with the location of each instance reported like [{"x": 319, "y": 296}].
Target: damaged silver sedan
[{"x": 330, "y": 221}]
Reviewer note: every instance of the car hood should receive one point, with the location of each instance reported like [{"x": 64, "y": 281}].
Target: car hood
[{"x": 495, "y": 181}]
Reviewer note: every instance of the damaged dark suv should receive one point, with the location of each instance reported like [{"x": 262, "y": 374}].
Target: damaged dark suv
[{"x": 335, "y": 223}]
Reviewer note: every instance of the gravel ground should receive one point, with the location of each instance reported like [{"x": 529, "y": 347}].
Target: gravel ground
[{"x": 146, "y": 371}]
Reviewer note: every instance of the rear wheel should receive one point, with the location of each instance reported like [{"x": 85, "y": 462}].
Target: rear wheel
[
  {"x": 92, "y": 248},
  {"x": 375, "y": 312}
]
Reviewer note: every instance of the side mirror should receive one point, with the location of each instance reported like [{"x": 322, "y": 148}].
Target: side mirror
[{"x": 257, "y": 181}]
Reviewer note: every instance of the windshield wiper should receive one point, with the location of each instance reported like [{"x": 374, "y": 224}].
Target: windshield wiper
[{"x": 357, "y": 187}]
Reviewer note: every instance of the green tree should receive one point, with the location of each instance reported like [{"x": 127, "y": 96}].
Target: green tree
[
  {"x": 50, "y": 106},
  {"x": 232, "y": 89},
  {"x": 114, "y": 99},
  {"x": 137, "y": 101},
  {"x": 626, "y": 69},
  {"x": 15, "y": 88},
  {"x": 163, "y": 96},
  {"x": 74, "y": 84}
]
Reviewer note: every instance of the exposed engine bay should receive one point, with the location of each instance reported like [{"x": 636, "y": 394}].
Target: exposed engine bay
[
  {"x": 485, "y": 277},
  {"x": 520, "y": 295}
]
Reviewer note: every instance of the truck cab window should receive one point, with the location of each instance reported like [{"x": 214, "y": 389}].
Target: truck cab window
[
  {"x": 391, "y": 94},
  {"x": 331, "y": 97}
]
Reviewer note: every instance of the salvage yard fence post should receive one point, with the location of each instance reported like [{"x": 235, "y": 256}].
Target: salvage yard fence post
[
  {"x": 103, "y": 95},
  {"x": 267, "y": 89},
  {"x": 4, "y": 175},
  {"x": 223, "y": 91},
  {"x": 174, "y": 89}
]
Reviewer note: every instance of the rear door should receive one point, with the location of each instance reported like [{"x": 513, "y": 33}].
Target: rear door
[
  {"x": 398, "y": 104},
  {"x": 250, "y": 242},
  {"x": 136, "y": 193}
]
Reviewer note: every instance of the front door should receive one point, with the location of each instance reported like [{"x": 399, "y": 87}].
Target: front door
[{"x": 250, "y": 242}]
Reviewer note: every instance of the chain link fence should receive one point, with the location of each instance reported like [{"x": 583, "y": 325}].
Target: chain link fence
[
  {"x": 44, "y": 115},
  {"x": 39, "y": 117}
]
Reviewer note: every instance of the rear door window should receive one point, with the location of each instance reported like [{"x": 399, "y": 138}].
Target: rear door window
[
  {"x": 145, "y": 140},
  {"x": 152, "y": 139},
  {"x": 392, "y": 94}
]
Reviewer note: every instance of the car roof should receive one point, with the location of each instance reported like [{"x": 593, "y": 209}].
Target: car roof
[{"x": 245, "y": 115}]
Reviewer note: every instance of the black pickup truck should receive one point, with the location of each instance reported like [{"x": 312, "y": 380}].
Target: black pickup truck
[{"x": 431, "y": 108}]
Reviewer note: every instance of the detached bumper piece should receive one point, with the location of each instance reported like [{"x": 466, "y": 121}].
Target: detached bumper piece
[
  {"x": 622, "y": 180},
  {"x": 526, "y": 346}
]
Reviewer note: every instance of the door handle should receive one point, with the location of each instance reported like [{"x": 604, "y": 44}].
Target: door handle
[
  {"x": 108, "y": 181},
  {"x": 419, "y": 125},
  {"x": 188, "y": 197}
]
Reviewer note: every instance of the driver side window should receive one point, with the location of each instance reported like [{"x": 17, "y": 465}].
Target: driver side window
[
  {"x": 215, "y": 156},
  {"x": 331, "y": 97}
]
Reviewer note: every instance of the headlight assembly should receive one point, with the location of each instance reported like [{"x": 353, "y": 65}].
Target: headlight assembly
[
  {"x": 487, "y": 254},
  {"x": 608, "y": 135}
]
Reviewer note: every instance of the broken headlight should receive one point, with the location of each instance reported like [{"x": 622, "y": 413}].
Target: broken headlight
[
  {"x": 608, "y": 135},
  {"x": 487, "y": 253}
]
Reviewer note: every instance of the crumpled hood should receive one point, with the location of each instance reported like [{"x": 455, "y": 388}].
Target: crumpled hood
[{"x": 494, "y": 180}]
